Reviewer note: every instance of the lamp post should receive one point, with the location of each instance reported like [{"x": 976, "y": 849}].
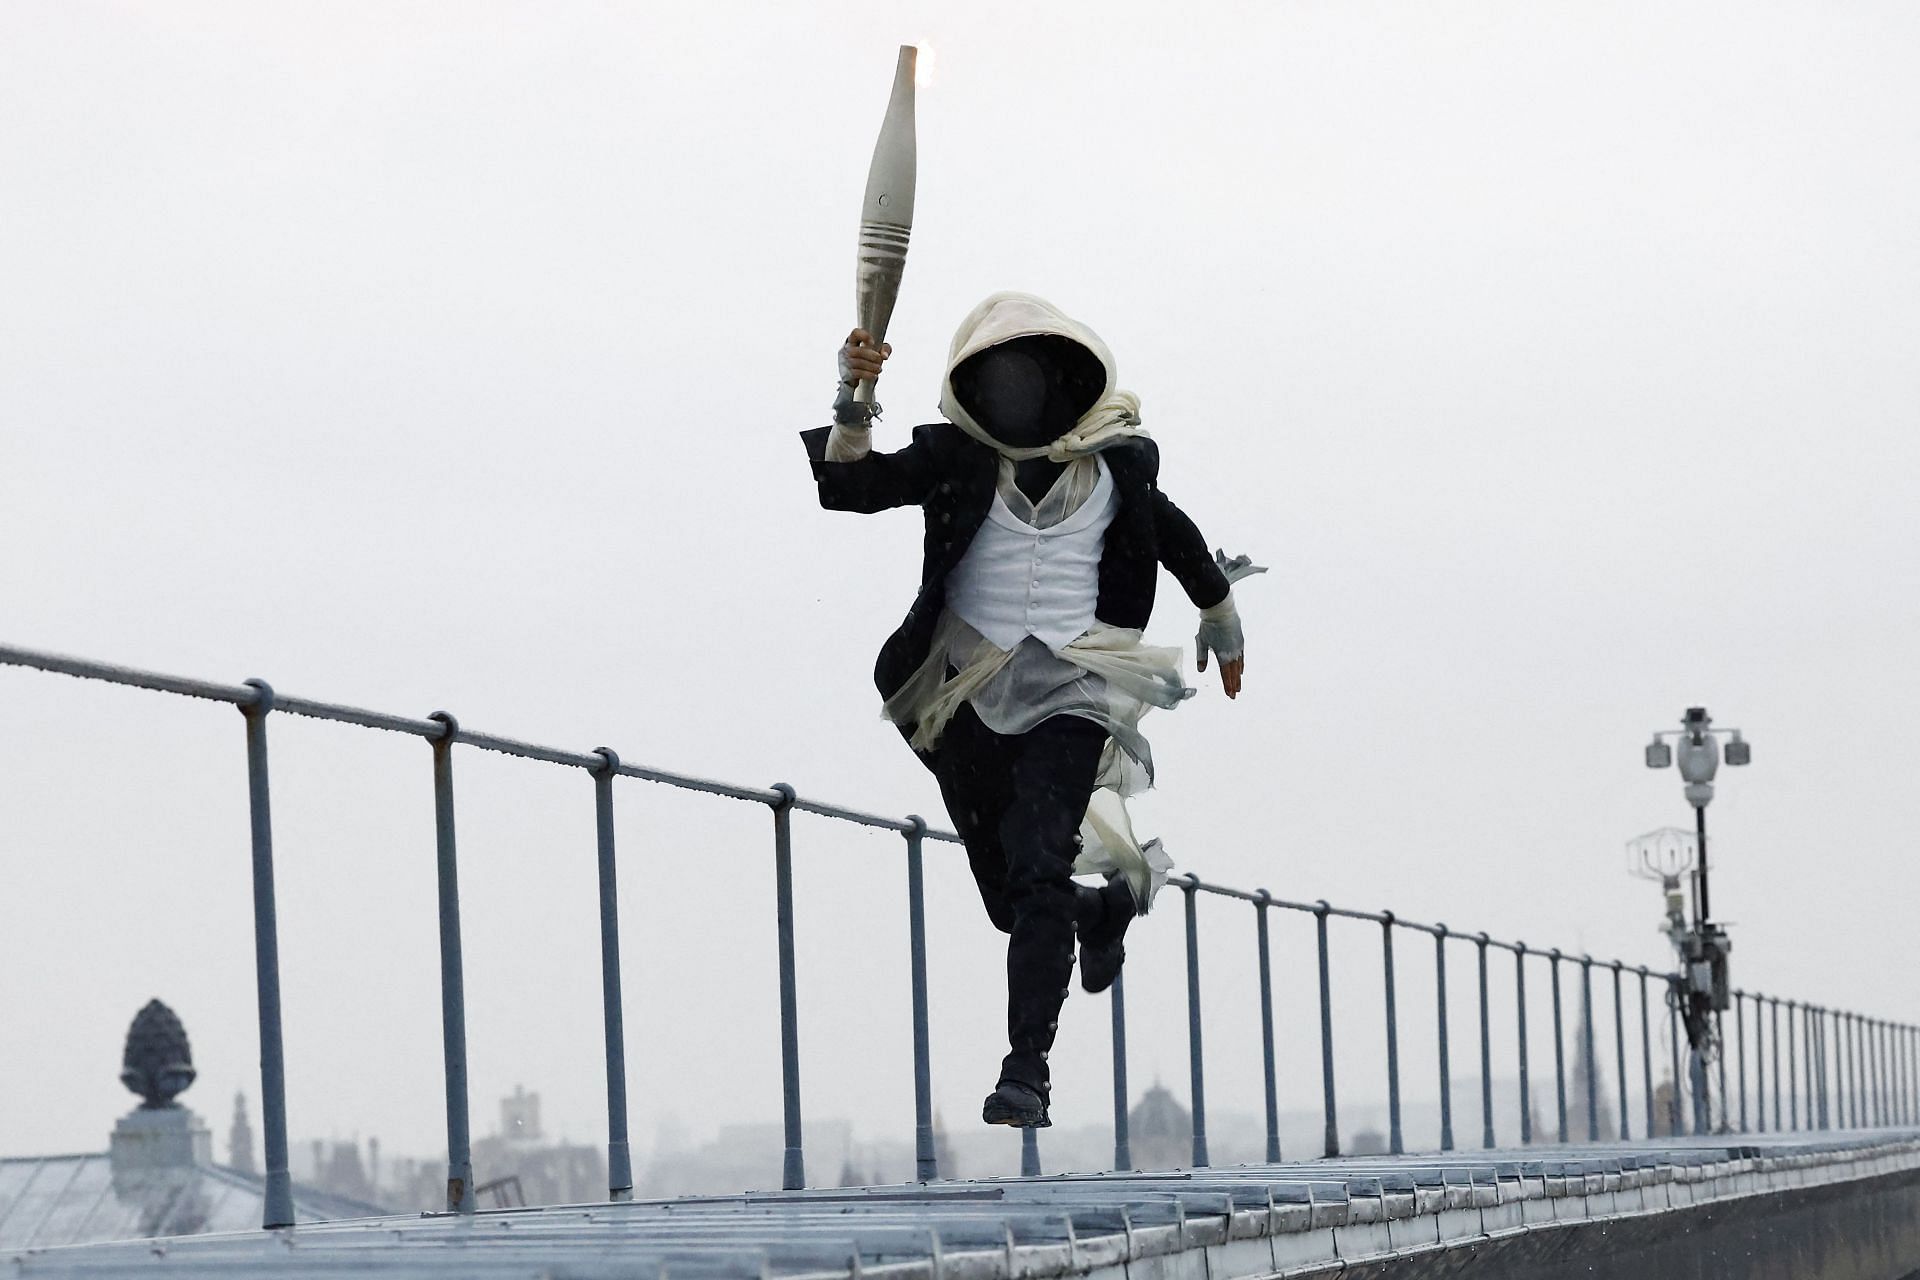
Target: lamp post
[{"x": 1703, "y": 948}]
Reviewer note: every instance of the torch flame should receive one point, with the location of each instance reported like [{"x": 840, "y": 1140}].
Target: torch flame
[{"x": 923, "y": 65}]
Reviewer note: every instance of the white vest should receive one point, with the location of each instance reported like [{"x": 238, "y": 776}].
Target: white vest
[{"x": 1017, "y": 581}]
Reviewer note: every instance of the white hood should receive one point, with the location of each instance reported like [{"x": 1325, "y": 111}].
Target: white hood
[{"x": 1115, "y": 415}]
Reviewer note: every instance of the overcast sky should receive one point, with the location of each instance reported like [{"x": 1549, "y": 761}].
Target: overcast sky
[{"x": 1559, "y": 359}]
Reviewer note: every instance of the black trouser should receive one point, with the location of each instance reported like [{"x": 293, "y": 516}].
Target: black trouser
[{"x": 1017, "y": 801}]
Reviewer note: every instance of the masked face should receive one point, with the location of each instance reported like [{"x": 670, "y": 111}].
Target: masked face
[
  {"x": 1030, "y": 391},
  {"x": 1005, "y": 389}
]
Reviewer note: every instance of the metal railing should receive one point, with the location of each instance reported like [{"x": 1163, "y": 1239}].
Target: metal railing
[{"x": 1841, "y": 1068}]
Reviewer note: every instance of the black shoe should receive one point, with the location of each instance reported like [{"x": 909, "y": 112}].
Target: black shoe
[
  {"x": 1016, "y": 1104},
  {"x": 1101, "y": 952}
]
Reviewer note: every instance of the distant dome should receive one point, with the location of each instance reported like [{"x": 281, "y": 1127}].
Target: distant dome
[{"x": 1159, "y": 1114}]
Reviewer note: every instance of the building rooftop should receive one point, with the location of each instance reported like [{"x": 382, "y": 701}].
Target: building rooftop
[
  {"x": 72, "y": 1199},
  {"x": 157, "y": 1178}
]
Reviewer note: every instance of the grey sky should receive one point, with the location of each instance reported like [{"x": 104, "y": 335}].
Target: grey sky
[{"x": 1558, "y": 359}]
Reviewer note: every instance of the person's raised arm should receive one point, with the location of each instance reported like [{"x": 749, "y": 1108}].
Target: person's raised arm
[{"x": 849, "y": 475}]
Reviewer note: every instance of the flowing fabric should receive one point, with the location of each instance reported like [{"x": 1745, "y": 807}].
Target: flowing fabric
[{"x": 1108, "y": 674}]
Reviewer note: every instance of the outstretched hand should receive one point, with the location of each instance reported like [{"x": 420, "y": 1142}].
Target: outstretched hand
[{"x": 1220, "y": 635}]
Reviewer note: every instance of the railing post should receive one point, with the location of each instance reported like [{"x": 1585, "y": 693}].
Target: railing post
[
  {"x": 453, "y": 995},
  {"x": 1821, "y": 1056},
  {"x": 1122, "y": 1147},
  {"x": 1895, "y": 1112},
  {"x": 1331, "y": 1144},
  {"x": 1395, "y": 1143},
  {"x": 1829, "y": 1070},
  {"x": 1446, "y": 1067},
  {"x": 277, "y": 1211},
  {"x": 1793, "y": 1072},
  {"x": 1903, "y": 1050},
  {"x": 1847, "y": 1097},
  {"x": 1646, "y": 1052},
  {"x": 1486, "y": 1048},
  {"x": 1559, "y": 1043},
  {"x": 1902, "y": 1114},
  {"x": 1740, "y": 1041},
  {"x": 1844, "y": 1062},
  {"x": 1774, "y": 1019},
  {"x": 1593, "y": 1059},
  {"x": 1620, "y": 1051},
  {"x": 1520, "y": 1005},
  {"x": 1867, "y": 1073},
  {"x": 1813, "y": 1059},
  {"x": 1888, "y": 1098},
  {"x": 1195, "y": 1061},
  {"x": 1907, "y": 1091},
  {"x": 1860, "y": 1051},
  {"x": 1029, "y": 1152},
  {"x": 1821, "y": 1029},
  {"x": 1821, "y": 1023},
  {"x": 1882, "y": 1110},
  {"x": 1863, "y": 1066},
  {"x": 1261, "y": 907},
  {"x": 619, "y": 1156},
  {"x": 926, "y": 1159},
  {"x": 1880, "y": 1073},
  {"x": 1867, "y": 1069},
  {"x": 1720, "y": 1034},
  {"x": 1913, "y": 1110},
  {"x": 1818, "y": 1020},
  {"x": 1673, "y": 1034},
  {"x": 793, "y": 1174},
  {"x": 1897, "y": 1082}
]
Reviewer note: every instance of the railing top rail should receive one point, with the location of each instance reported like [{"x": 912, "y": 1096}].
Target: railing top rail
[
  {"x": 1262, "y": 898},
  {"x": 434, "y": 729},
  {"x": 243, "y": 696}
]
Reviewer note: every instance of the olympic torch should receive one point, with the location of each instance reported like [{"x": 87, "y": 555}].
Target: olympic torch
[{"x": 886, "y": 216}]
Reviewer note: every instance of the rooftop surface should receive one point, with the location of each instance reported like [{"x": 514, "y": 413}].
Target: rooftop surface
[{"x": 1299, "y": 1218}]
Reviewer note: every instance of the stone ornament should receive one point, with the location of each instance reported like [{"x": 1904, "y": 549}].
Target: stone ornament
[{"x": 158, "y": 1063}]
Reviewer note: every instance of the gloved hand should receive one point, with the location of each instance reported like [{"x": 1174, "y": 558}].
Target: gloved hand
[
  {"x": 860, "y": 359},
  {"x": 1220, "y": 634}
]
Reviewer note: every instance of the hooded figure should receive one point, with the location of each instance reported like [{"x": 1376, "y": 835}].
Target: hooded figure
[{"x": 1019, "y": 675}]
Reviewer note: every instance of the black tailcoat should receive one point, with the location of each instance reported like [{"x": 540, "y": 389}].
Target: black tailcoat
[{"x": 952, "y": 477}]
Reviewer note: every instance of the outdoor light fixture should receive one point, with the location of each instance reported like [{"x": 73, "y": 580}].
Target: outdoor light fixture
[
  {"x": 1699, "y": 746},
  {"x": 1668, "y": 854}
]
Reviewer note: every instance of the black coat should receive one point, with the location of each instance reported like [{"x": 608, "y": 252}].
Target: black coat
[{"x": 952, "y": 477}]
